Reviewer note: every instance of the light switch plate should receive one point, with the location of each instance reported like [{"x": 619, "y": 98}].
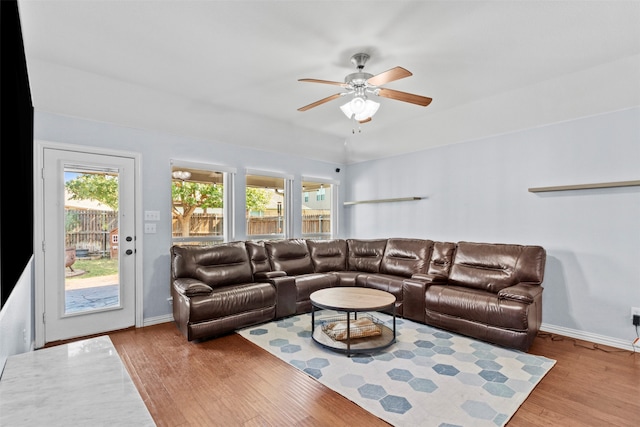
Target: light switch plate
[
  {"x": 152, "y": 215},
  {"x": 149, "y": 227}
]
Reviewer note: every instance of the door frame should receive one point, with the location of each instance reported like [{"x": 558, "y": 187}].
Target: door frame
[{"x": 38, "y": 215}]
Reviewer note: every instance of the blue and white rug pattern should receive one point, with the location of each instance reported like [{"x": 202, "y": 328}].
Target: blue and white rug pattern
[{"x": 429, "y": 377}]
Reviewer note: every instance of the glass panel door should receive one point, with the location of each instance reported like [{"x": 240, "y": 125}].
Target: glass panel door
[
  {"x": 91, "y": 239},
  {"x": 89, "y": 243}
]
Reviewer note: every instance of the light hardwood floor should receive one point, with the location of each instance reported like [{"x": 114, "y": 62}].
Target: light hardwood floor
[{"x": 229, "y": 381}]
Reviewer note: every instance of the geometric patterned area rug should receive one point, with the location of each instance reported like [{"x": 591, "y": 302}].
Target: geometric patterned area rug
[{"x": 428, "y": 377}]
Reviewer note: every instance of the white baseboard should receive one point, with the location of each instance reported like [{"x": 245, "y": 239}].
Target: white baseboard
[
  {"x": 157, "y": 320},
  {"x": 586, "y": 336}
]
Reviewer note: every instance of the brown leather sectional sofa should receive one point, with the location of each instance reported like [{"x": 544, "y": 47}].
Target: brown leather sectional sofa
[{"x": 488, "y": 291}]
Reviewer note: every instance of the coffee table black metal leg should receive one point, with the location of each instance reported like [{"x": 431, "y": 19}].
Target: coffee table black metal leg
[
  {"x": 348, "y": 334},
  {"x": 394, "y": 323}
]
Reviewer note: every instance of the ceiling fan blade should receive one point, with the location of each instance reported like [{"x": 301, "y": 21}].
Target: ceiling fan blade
[
  {"x": 404, "y": 96},
  {"x": 322, "y": 101},
  {"x": 327, "y": 82},
  {"x": 391, "y": 75},
  {"x": 368, "y": 119}
]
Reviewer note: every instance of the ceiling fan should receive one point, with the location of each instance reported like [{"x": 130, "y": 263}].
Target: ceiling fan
[{"x": 361, "y": 84}]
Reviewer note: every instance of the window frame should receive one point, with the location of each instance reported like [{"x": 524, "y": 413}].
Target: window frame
[
  {"x": 228, "y": 183},
  {"x": 287, "y": 230},
  {"x": 333, "y": 206}
]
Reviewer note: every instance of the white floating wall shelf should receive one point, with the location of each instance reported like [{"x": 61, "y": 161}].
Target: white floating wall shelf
[
  {"x": 399, "y": 199},
  {"x": 585, "y": 186}
]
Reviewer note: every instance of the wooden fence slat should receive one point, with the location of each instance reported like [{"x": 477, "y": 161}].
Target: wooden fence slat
[
  {"x": 212, "y": 225},
  {"x": 89, "y": 229}
]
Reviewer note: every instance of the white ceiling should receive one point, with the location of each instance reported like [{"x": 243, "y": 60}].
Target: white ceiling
[{"x": 228, "y": 71}]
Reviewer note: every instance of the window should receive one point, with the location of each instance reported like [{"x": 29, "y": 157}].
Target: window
[
  {"x": 267, "y": 205},
  {"x": 318, "y": 209},
  {"x": 200, "y": 195}
]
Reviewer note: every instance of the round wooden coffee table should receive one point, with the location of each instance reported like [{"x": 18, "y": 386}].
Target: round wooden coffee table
[{"x": 352, "y": 330}]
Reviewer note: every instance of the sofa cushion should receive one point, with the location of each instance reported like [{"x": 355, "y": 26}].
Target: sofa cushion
[
  {"x": 365, "y": 255},
  {"x": 347, "y": 278},
  {"x": 258, "y": 257},
  {"x": 328, "y": 255},
  {"x": 475, "y": 305},
  {"x": 232, "y": 300},
  {"x": 404, "y": 257},
  {"x": 385, "y": 282},
  {"x": 289, "y": 255},
  {"x": 495, "y": 266},
  {"x": 306, "y": 284},
  {"x": 216, "y": 266},
  {"x": 441, "y": 258}
]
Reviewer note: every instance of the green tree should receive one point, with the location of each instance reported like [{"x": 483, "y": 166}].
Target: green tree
[
  {"x": 101, "y": 188},
  {"x": 257, "y": 199},
  {"x": 189, "y": 196}
]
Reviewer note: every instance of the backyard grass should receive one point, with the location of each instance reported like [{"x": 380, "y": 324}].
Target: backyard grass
[{"x": 95, "y": 267}]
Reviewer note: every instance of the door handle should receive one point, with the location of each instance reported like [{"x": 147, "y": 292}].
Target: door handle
[{"x": 128, "y": 252}]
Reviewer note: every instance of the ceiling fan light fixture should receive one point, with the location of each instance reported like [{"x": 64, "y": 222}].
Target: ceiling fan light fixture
[
  {"x": 360, "y": 109},
  {"x": 360, "y": 83},
  {"x": 358, "y": 105}
]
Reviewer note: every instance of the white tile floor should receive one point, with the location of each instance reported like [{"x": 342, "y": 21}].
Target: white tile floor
[{"x": 78, "y": 384}]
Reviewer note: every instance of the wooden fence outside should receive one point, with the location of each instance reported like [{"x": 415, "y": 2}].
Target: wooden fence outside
[
  {"x": 90, "y": 229},
  {"x": 211, "y": 225}
]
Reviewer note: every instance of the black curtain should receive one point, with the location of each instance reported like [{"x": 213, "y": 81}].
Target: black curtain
[{"x": 16, "y": 152}]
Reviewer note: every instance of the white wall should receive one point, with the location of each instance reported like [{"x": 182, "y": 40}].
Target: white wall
[
  {"x": 477, "y": 191},
  {"x": 157, "y": 150},
  {"x": 16, "y": 318}
]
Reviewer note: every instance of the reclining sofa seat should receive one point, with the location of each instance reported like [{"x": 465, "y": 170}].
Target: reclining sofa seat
[
  {"x": 330, "y": 257},
  {"x": 492, "y": 292},
  {"x": 214, "y": 293},
  {"x": 391, "y": 262},
  {"x": 292, "y": 257}
]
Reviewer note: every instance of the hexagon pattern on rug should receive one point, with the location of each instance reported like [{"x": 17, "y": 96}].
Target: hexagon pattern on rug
[{"x": 427, "y": 377}]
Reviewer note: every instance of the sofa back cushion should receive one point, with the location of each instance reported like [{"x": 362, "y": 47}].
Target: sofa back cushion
[
  {"x": 404, "y": 257},
  {"x": 258, "y": 257},
  {"x": 441, "y": 258},
  {"x": 365, "y": 255},
  {"x": 289, "y": 255},
  {"x": 220, "y": 265},
  {"x": 495, "y": 266},
  {"x": 328, "y": 255}
]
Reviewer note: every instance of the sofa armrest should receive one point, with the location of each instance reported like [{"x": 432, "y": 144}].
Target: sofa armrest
[
  {"x": 286, "y": 295},
  {"x": 266, "y": 275},
  {"x": 191, "y": 287},
  {"x": 413, "y": 296},
  {"x": 429, "y": 278},
  {"x": 522, "y": 292}
]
